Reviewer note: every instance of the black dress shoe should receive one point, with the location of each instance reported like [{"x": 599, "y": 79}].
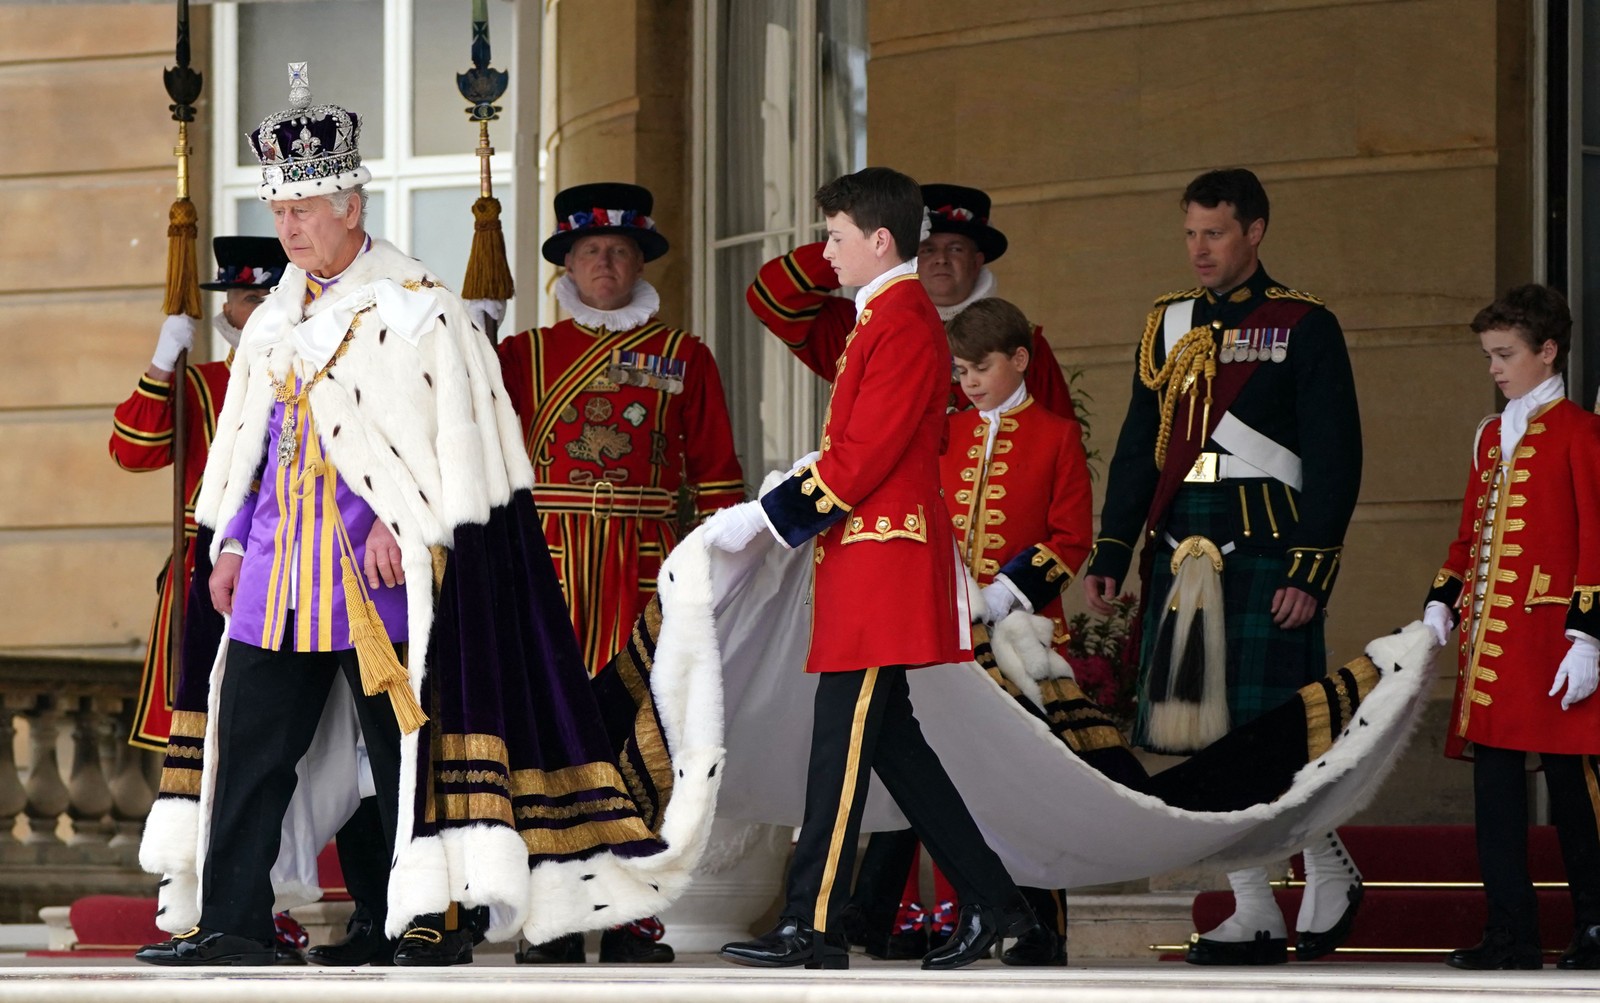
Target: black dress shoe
[
  {"x": 1265, "y": 949},
  {"x": 567, "y": 950},
  {"x": 200, "y": 947},
  {"x": 625, "y": 945},
  {"x": 283, "y": 954},
  {"x": 1497, "y": 950},
  {"x": 1309, "y": 946},
  {"x": 1584, "y": 951},
  {"x": 977, "y": 929},
  {"x": 1039, "y": 947},
  {"x": 899, "y": 946},
  {"x": 364, "y": 944},
  {"x": 428, "y": 945},
  {"x": 789, "y": 944}
]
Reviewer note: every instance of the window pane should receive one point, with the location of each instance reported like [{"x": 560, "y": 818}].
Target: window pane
[
  {"x": 841, "y": 88},
  {"x": 1591, "y": 72},
  {"x": 342, "y": 40},
  {"x": 755, "y": 117},
  {"x": 441, "y": 230},
  {"x": 442, "y": 47}
]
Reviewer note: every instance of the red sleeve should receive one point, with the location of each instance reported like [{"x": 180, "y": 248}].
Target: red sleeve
[
  {"x": 1045, "y": 381},
  {"x": 516, "y": 372},
  {"x": 1447, "y": 584},
  {"x": 712, "y": 465},
  {"x": 1583, "y": 612},
  {"x": 790, "y": 296},
  {"x": 141, "y": 427},
  {"x": 1071, "y": 518}
]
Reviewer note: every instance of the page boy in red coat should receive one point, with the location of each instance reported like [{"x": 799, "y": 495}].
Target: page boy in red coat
[
  {"x": 1521, "y": 579},
  {"x": 869, "y": 502}
]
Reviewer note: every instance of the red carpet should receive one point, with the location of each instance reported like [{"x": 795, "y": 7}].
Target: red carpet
[{"x": 1415, "y": 908}]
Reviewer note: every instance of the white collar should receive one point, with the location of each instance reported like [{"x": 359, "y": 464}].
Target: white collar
[
  {"x": 1017, "y": 397},
  {"x": 226, "y": 331},
  {"x": 1514, "y": 421},
  {"x": 981, "y": 290},
  {"x": 865, "y": 292},
  {"x": 646, "y": 303}
]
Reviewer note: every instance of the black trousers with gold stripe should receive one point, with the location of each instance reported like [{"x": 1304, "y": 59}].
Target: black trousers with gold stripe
[
  {"x": 267, "y": 715},
  {"x": 1500, "y": 805},
  {"x": 863, "y": 723}
]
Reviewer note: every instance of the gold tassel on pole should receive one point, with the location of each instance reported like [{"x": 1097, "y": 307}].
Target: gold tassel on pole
[
  {"x": 488, "y": 272},
  {"x": 381, "y": 671}
]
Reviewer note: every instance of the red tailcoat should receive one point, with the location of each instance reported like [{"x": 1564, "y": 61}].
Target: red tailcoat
[
  {"x": 141, "y": 440},
  {"x": 791, "y": 297},
  {"x": 610, "y": 462},
  {"x": 885, "y": 586},
  {"x": 1530, "y": 541},
  {"x": 1027, "y": 512}
]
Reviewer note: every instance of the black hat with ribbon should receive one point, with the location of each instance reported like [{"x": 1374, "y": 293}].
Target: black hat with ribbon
[
  {"x": 247, "y": 263},
  {"x": 601, "y": 208},
  {"x": 958, "y": 209}
]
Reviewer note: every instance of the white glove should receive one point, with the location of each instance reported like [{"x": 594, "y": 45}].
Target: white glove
[
  {"x": 482, "y": 310},
  {"x": 733, "y": 528},
  {"x": 1439, "y": 620},
  {"x": 1579, "y": 672},
  {"x": 177, "y": 335},
  {"x": 999, "y": 599},
  {"x": 803, "y": 462}
]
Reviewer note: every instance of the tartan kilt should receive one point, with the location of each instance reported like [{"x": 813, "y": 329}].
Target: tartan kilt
[{"x": 1266, "y": 664}]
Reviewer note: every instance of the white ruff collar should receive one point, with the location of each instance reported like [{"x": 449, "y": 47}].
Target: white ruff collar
[
  {"x": 646, "y": 303},
  {"x": 982, "y": 290},
  {"x": 1514, "y": 422},
  {"x": 226, "y": 331}
]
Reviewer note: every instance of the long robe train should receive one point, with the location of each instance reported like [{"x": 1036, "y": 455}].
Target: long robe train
[{"x": 1058, "y": 795}]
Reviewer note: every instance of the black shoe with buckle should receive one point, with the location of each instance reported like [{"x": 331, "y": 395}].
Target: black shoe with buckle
[
  {"x": 1310, "y": 945},
  {"x": 203, "y": 947},
  {"x": 428, "y": 945},
  {"x": 1039, "y": 947},
  {"x": 791, "y": 944},
  {"x": 363, "y": 944},
  {"x": 637, "y": 943},
  {"x": 567, "y": 950},
  {"x": 1584, "y": 951},
  {"x": 1498, "y": 950},
  {"x": 977, "y": 929}
]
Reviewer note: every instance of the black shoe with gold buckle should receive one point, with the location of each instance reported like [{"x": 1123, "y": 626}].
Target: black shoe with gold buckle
[
  {"x": 428, "y": 945},
  {"x": 207, "y": 947}
]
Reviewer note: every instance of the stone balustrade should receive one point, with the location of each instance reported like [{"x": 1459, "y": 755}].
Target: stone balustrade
[{"x": 73, "y": 793}]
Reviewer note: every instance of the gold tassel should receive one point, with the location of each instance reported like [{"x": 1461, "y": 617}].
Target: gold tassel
[
  {"x": 183, "y": 273},
  {"x": 381, "y": 671},
  {"x": 488, "y": 275}
]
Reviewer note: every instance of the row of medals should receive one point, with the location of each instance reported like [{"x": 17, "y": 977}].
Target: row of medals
[{"x": 1236, "y": 347}]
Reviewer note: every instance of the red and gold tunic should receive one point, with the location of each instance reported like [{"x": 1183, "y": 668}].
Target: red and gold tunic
[
  {"x": 885, "y": 585},
  {"x": 611, "y": 460},
  {"x": 791, "y": 297},
  {"x": 1025, "y": 512},
  {"x": 141, "y": 440},
  {"x": 1524, "y": 569}
]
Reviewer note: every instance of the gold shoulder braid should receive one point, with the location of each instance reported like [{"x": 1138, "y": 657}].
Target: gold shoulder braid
[
  {"x": 1282, "y": 293},
  {"x": 1181, "y": 294},
  {"x": 288, "y": 445},
  {"x": 1194, "y": 356}
]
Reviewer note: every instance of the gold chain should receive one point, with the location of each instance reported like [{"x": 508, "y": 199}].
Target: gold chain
[
  {"x": 1194, "y": 356},
  {"x": 288, "y": 443}
]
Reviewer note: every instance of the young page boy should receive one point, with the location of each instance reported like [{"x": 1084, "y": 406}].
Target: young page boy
[
  {"x": 1016, "y": 485},
  {"x": 870, "y": 498},
  {"x": 1522, "y": 578}
]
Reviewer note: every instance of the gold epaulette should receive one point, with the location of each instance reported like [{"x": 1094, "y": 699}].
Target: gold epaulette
[
  {"x": 1283, "y": 293},
  {"x": 1181, "y": 294}
]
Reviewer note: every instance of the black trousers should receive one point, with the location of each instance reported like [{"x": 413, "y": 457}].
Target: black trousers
[
  {"x": 863, "y": 723},
  {"x": 364, "y": 853},
  {"x": 267, "y": 714},
  {"x": 1500, "y": 806}
]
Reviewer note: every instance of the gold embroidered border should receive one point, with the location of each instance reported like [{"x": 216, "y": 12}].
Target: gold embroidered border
[{"x": 188, "y": 724}]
